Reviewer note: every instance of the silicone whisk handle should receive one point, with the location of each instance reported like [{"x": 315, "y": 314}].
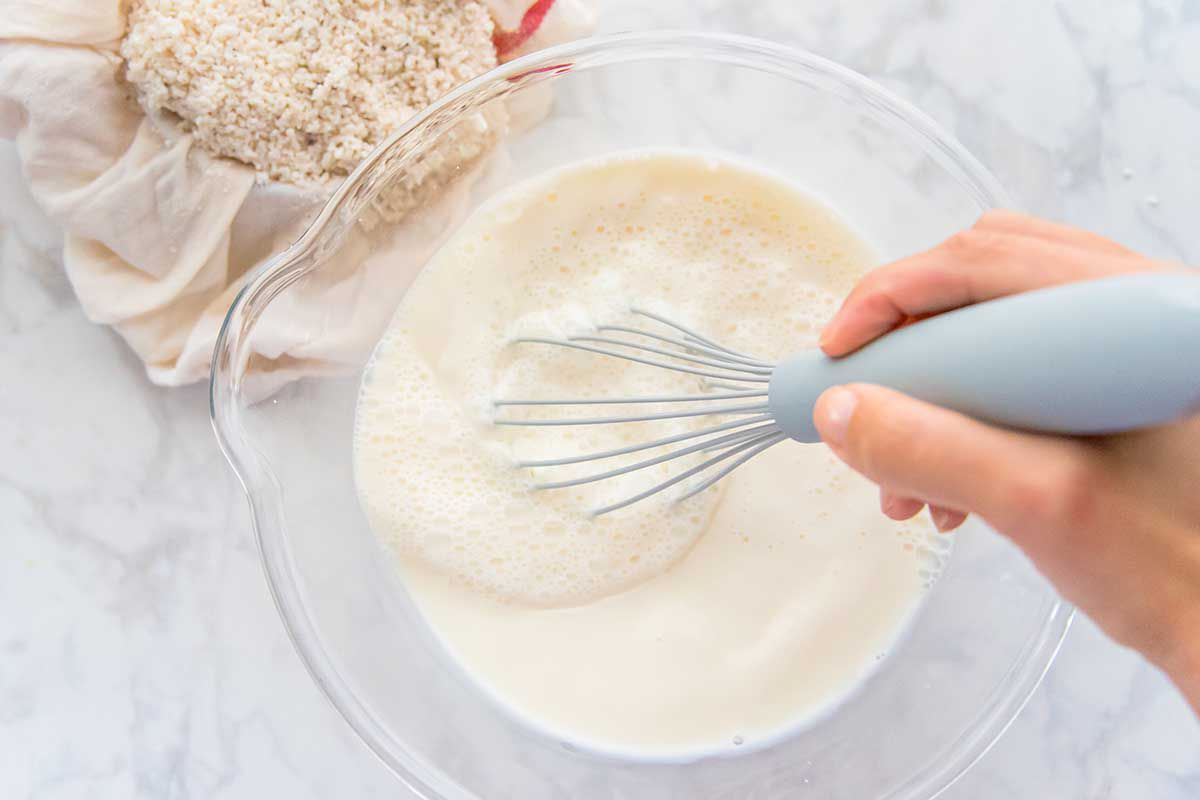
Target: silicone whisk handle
[{"x": 1093, "y": 357}]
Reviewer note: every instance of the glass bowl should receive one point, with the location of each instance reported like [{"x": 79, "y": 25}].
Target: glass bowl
[{"x": 990, "y": 626}]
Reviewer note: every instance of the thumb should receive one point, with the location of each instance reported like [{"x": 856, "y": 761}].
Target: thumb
[{"x": 943, "y": 457}]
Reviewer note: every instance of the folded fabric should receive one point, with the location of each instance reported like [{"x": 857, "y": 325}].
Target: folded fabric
[{"x": 158, "y": 235}]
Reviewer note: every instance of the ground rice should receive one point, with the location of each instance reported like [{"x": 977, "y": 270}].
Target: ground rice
[{"x": 301, "y": 90}]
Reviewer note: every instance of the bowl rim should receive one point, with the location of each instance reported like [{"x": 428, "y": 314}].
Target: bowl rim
[{"x": 265, "y": 281}]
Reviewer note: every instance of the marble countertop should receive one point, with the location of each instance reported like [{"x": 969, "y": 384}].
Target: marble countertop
[{"x": 140, "y": 655}]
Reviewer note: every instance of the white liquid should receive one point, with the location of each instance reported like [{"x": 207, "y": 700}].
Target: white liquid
[{"x": 665, "y": 629}]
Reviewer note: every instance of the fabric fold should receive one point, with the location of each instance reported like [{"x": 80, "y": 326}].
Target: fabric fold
[{"x": 158, "y": 236}]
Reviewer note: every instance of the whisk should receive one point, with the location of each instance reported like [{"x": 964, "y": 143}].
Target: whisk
[{"x": 1085, "y": 358}]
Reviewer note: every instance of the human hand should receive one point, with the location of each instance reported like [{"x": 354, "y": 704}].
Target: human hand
[{"x": 1113, "y": 522}]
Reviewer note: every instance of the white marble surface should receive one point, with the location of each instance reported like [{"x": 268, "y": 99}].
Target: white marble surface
[{"x": 140, "y": 655}]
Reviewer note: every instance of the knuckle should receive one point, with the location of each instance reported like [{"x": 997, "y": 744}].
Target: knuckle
[
  {"x": 974, "y": 244},
  {"x": 999, "y": 217},
  {"x": 1061, "y": 497},
  {"x": 1077, "y": 494},
  {"x": 962, "y": 244}
]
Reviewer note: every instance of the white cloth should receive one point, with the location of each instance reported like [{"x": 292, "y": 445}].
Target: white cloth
[{"x": 157, "y": 234}]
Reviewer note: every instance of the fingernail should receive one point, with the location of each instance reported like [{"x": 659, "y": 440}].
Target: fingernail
[
  {"x": 826, "y": 333},
  {"x": 837, "y": 407},
  {"x": 942, "y": 519}
]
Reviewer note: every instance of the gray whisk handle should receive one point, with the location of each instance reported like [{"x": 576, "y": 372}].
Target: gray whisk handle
[{"x": 1093, "y": 357}]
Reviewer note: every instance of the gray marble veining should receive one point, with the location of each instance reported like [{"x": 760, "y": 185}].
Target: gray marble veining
[{"x": 140, "y": 655}]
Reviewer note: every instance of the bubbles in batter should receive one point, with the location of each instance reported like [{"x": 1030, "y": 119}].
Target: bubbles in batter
[
  {"x": 736, "y": 255},
  {"x": 445, "y": 491},
  {"x": 665, "y": 629}
]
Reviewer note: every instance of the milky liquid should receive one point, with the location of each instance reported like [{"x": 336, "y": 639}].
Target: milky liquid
[{"x": 666, "y": 629}]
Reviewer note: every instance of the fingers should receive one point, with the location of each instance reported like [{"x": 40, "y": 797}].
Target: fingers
[
  {"x": 1017, "y": 224},
  {"x": 946, "y": 519},
  {"x": 898, "y": 507},
  {"x": 955, "y": 463},
  {"x": 1002, "y": 254}
]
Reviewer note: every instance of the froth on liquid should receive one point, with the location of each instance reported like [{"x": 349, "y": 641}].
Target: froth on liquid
[{"x": 663, "y": 628}]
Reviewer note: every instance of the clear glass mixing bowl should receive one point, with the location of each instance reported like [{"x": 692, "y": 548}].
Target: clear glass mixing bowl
[{"x": 991, "y": 625}]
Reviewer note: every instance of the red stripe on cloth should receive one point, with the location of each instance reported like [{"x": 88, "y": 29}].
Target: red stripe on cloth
[{"x": 507, "y": 41}]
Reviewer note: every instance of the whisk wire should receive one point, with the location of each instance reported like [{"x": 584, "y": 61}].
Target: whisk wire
[
  {"x": 762, "y": 445},
  {"x": 724, "y": 376},
  {"x": 653, "y": 490},
  {"x": 688, "y": 332},
  {"x": 721, "y": 385},
  {"x": 730, "y": 438},
  {"x": 613, "y": 401},
  {"x": 722, "y": 364},
  {"x": 743, "y": 436},
  {"x": 636, "y": 448},
  {"x": 757, "y": 408},
  {"x": 719, "y": 354},
  {"x": 722, "y": 369}
]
